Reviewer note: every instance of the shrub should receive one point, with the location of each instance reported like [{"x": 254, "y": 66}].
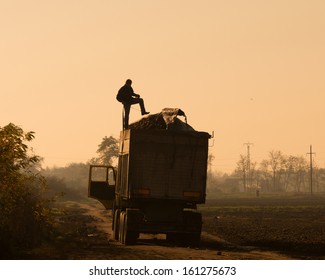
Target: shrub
[{"x": 24, "y": 215}]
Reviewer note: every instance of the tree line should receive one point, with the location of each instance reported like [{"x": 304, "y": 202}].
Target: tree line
[
  {"x": 277, "y": 173},
  {"x": 72, "y": 180}
]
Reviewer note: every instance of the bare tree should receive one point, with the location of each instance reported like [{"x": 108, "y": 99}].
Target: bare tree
[
  {"x": 241, "y": 169},
  {"x": 246, "y": 170},
  {"x": 277, "y": 163},
  {"x": 211, "y": 158}
]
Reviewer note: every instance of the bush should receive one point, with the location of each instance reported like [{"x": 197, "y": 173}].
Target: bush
[{"x": 24, "y": 214}]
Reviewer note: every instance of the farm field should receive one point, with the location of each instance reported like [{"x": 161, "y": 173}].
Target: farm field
[
  {"x": 235, "y": 227},
  {"x": 292, "y": 224}
]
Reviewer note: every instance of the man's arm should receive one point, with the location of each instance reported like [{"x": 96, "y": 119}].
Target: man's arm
[{"x": 134, "y": 94}]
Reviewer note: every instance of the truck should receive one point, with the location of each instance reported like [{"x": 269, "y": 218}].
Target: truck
[{"x": 159, "y": 181}]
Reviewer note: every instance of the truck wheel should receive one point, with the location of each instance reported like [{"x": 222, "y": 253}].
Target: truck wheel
[
  {"x": 129, "y": 237},
  {"x": 113, "y": 214},
  {"x": 121, "y": 227},
  {"x": 116, "y": 224}
]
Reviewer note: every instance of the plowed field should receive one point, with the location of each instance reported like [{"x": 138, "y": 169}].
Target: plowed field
[
  {"x": 293, "y": 225},
  {"x": 263, "y": 228}
]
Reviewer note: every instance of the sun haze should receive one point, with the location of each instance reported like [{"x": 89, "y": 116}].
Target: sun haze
[{"x": 251, "y": 71}]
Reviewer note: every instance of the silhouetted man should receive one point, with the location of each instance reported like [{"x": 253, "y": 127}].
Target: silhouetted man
[{"x": 127, "y": 96}]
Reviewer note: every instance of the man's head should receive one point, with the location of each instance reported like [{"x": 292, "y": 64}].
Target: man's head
[{"x": 128, "y": 82}]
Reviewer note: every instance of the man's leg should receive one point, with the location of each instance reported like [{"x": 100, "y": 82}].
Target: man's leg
[
  {"x": 143, "y": 110},
  {"x": 141, "y": 103},
  {"x": 126, "y": 115}
]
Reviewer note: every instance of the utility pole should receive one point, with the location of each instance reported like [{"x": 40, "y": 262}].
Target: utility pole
[
  {"x": 311, "y": 168},
  {"x": 249, "y": 179}
]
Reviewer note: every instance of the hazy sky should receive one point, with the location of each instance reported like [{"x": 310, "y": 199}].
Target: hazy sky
[{"x": 251, "y": 71}]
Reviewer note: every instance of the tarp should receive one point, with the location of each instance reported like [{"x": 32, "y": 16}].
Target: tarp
[{"x": 166, "y": 119}]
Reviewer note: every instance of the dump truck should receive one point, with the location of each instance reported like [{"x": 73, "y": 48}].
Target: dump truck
[{"x": 160, "y": 180}]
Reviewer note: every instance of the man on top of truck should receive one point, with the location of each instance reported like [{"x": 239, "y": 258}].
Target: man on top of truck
[{"x": 128, "y": 97}]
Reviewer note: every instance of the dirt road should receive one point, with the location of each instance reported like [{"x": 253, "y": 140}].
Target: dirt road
[{"x": 87, "y": 235}]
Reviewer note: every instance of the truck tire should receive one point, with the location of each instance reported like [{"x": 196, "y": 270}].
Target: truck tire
[
  {"x": 113, "y": 213},
  {"x": 121, "y": 227},
  {"x": 129, "y": 237},
  {"x": 116, "y": 224}
]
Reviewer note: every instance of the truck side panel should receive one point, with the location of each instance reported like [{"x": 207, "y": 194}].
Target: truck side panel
[{"x": 165, "y": 164}]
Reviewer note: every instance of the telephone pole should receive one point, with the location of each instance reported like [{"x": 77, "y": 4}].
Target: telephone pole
[
  {"x": 248, "y": 164},
  {"x": 311, "y": 168}
]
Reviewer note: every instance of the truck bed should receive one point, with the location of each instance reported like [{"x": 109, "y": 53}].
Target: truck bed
[{"x": 164, "y": 164}]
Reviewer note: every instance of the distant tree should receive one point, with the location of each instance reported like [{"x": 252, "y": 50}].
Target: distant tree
[
  {"x": 276, "y": 163},
  {"x": 211, "y": 158},
  {"x": 219, "y": 182},
  {"x": 245, "y": 170},
  {"x": 107, "y": 151},
  {"x": 283, "y": 173},
  {"x": 264, "y": 176},
  {"x": 320, "y": 177},
  {"x": 296, "y": 168},
  {"x": 242, "y": 170},
  {"x": 72, "y": 179},
  {"x": 301, "y": 169}
]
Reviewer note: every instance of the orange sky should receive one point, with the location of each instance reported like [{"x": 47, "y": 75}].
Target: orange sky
[{"x": 251, "y": 71}]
